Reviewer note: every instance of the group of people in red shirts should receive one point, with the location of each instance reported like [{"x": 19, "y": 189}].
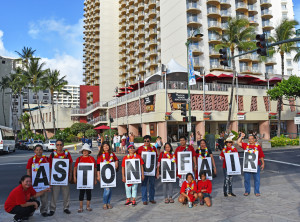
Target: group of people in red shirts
[{"x": 22, "y": 200}]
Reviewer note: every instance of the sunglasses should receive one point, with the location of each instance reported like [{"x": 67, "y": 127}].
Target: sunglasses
[
  {"x": 147, "y": 141},
  {"x": 59, "y": 144}
]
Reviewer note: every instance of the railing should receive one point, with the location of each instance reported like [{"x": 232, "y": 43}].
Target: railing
[
  {"x": 193, "y": 5},
  {"x": 241, "y": 5},
  {"x": 266, "y": 12},
  {"x": 213, "y": 11},
  {"x": 97, "y": 119},
  {"x": 214, "y": 24},
  {"x": 194, "y": 19},
  {"x": 89, "y": 108}
]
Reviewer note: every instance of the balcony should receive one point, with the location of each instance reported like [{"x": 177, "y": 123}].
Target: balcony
[
  {"x": 193, "y": 7},
  {"x": 266, "y": 14},
  {"x": 194, "y": 21},
  {"x": 153, "y": 42},
  {"x": 245, "y": 69},
  {"x": 216, "y": 66},
  {"x": 245, "y": 58},
  {"x": 225, "y": 13},
  {"x": 213, "y": 2},
  {"x": 226, "y": 3},
  {"x": 152, "y": 3},
  {"x": 153, "y": 52},
  {"x": 97, "y": 120},
  {"x": 265, "y": 3},
  {"x": 271, "y": 61},
  {"x": 267, "y": 25},
  {"x": 152, "y": 22},
  {"x": 241, "y": 7},
  {"x": 141, "y": 14},
  {"x": 152, "y": 13},
  {"x": 214, "y": 53},
  {"x": 252, "y": 9},
  {"x": 214, "y": 25},
  {"x": 224, "y": 25},
  {"x": 253, "y": 21},
  {"x": 196, "y": 49},
  {"x": 213, "y": 12},
  {"x": 214, "y": 39}
]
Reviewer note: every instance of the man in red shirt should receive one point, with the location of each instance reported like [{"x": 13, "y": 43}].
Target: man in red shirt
[
  {"x": 183, "y": 148},
  {"x": 147, "y": 147},
  {"x": 19, "y": 201},
  {"x": 34, "y": 164},
  {"x": 59, "y": 153},
  {"x": 252, "y": 145}
]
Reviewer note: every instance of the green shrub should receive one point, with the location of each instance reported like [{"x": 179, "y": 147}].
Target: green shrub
[
  {"x": 71, "y": 138},
  {"x": 80, "y": 135},
  {"x": 283, "y": 141},
  {"x": 90, "y": 133}
]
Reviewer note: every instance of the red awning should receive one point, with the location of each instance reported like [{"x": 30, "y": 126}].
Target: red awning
[
  {"x": 258, "y": 81},
  {"x": 275, "y": 79},
  {"x": 103, "y": 127},
  {"x": 225, "y": 76}
]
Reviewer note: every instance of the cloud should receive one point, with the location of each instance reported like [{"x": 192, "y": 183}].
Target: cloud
[
  {"x": 68, "y": 66},
  {"x": 3, "y": 51}
]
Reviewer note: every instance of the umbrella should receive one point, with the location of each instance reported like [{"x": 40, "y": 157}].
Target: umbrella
[{"x": 102, "y": 127}]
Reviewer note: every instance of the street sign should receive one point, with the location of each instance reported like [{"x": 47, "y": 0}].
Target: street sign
[
  {"x": 189, "y": 127},
  {"x": 297, "y": 120}
]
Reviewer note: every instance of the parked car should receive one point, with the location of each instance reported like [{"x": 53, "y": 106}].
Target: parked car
[
  {"x": 27, "y": 145},
  {"x": 21, "y": 145},
  {"x": 35, "y": 142},
  {"x": 7, "y": 140},
  {"x": 50, "y": 145}
]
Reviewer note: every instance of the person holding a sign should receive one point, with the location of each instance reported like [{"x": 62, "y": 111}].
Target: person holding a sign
[
  {"x": 33, "y": 164},
  {"x": 85, "y": 158},
  {"x": 21, "y": 200},
  {"x": 131, "y": 189},
  {"x": 167, "y": 186},
  {"x": 106, "y": 155},
  {"x": 188, "y": 191},
  {"x": 183, "y": 148},
  {"x": 147, "y": 147},
  {"x": 228, "y": 148},
  {"x": 203, "y": 152},
  {"x": 204, "y": 189},
  {"x": 252, "y": 147},
  {"x": 59, "y": 153}
]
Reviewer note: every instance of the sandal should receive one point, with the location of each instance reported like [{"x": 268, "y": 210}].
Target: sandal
[
  {"x": 167, "y": 201},
  {"x": 89, "y": 209},
  {"x": 171, "y": 200},
  {"x": 257, "y": 194},
  {"x": 246, "y": 194},
  {"x": 109, "y": 206},
  {"x": 104, "y": 207},
  {"x": 80, "y": 210}
]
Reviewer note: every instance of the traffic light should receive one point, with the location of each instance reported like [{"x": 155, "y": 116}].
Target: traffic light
[
  {"x": 185, "y": 119},
  {"x": 111, "y": 119},
  {"x": 262, "y": 45},
  {"x": 183, "y": 109},
  {"x": 224, "y": 57}
]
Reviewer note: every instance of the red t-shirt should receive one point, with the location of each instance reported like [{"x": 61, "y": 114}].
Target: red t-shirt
[
  {"x": 259, "y": 149},
  {"x": 17, "y": 197},
  {"x": 192, "y": 187},
  {"x": 146, "y": 149},
  {"x": 30, "y": 161},
  {"x": 88, "y": 159},
  {"x": 60, "y": 154},
  {"x": 132, "y": 157},
  {"x": 164, "y": 155},
  {"x": 204, "y": 185},
  {"x": 107, "y": 157},
  {"x": 234, "y": 150}
]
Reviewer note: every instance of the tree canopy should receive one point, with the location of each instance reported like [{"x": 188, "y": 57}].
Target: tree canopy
[{"x": 289, "y": 88}]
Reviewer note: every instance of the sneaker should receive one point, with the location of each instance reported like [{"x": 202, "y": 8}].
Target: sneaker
[
  {"x": 133, "y": 203},
  {"x": 67, "y": 211},
  {"x": 44, "y": 214},
  {"x": 51, "y": 213},
  {"x": 225, "y": 195},
  {"x": 18, "y": 220},
  {"x": 128, "y": 202},
  {"x": 201, "y": 202},
  {"x": 231, "y": 195}
]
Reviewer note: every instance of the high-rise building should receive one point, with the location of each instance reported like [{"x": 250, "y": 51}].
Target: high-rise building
[
  {"x": 71, "y": 99},
  {"x": 127, "y": 38}
]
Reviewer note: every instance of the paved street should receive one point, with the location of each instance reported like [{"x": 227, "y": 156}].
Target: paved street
[{"x": 280, "y": 188}]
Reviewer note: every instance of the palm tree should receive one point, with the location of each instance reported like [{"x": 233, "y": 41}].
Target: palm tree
[
  {"x": 237, "y": 35},
  {"x": 26, "y": 55},
  {"x": 285, "y": 30},
  {"x": 34, "y": 74},
  {"x": 52, "y": 82},
  {"x": 3, "y": 87}
]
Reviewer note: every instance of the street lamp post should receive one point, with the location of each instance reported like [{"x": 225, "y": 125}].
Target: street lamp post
[
  {"x": 203, "y": 88},
  {"x": 116, "y": 91},
  {"x": 195, "y": 33},
  {"x": 138, "y": 78},
  {"x": 126, "y": 85}
]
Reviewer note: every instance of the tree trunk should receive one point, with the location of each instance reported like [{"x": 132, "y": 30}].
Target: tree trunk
[
  {"x": 31, "y": 117},
  {"x": 13, "y": 116},
  {"x": 280, "y": 99},
  {"x": 42, "y": 119},
  {"x": 53, "y": 115},
  {"x": 3, "y": 92},
  {"x": 231, "y": 95}
]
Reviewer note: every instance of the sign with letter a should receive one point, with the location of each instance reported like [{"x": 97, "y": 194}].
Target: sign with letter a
[
  {"x": 185, "y": 164},
  {"x": 40, "y": 178},
  {"x": 168, "y": 171},
  {"x": 205, "y": 165},
  {"x": 250, "y": 162},
  {"x": 133, "y": 171},
  {"x": 85, "y": 176},
  {"x": 60, "y": 172},
  {"x": 233, "y": 164},
  {"x": 149, "y": 159},
  {"x": 108, "y": 175}
]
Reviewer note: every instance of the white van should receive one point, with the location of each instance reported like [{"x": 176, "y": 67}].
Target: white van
[{"x": 7, "y": 140}]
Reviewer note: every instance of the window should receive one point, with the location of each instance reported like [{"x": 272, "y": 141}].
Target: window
[
  {"x": 3, "y": 61},
  {"x": 289, "y": 62},
  {"x": 290, "y": 72},
  {"x": 284, "y": 15},
  {"x": 283, "y": 7}
]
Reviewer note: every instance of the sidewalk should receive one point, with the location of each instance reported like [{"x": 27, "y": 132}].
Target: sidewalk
[{"x": 279, "y": 201}]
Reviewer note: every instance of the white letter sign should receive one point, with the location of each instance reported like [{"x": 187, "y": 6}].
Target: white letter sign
[
  {"x": 168, "y": 171},
  {"x": 205, "y": 166},
  {"x": 40, "y": 178},
  {"x": 185, "y": 164},
  {"x": 108, "y": 175},
  {"x": 250, "y": 162},
  {"x": 133, "y": 171},
  {"x": 85, "y": 176},
  {"x": 233, "y": 164},
  {"x": 149, "y": 159},
  {"x": 60, "y": 172}
]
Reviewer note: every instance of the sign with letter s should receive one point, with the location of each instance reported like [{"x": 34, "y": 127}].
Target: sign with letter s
[{"x": 60, "y": 172}]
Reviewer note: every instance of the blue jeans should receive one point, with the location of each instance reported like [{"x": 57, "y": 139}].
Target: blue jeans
[
  {"x": 131, "y": 191},
  {"x": 256, "y": 177},
  {"x": 107, "y": 195},
  {"x": 151, "y": 188}
]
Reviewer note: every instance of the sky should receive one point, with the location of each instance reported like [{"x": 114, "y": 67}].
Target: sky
[{"x": 54, "y": 28}]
